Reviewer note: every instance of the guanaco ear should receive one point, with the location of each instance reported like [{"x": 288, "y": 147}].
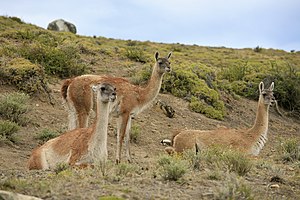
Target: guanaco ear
[
  {"x": 261, "y": 87},
  {"x": 271, "y": 86},
  {"x": 169, "y": 55},
  {"x": 156, "y": 55}
]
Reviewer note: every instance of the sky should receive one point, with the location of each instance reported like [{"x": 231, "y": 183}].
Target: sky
[{"x": 229, "y": 23}]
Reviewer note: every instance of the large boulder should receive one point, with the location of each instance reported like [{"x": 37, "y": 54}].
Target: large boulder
[{"x": 62, "y": 25}]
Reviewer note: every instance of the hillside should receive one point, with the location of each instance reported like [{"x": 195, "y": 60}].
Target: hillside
[{"x": 209, "y": 87}]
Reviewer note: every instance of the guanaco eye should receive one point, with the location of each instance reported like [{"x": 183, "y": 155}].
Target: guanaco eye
[{"x": 102, "y": 89}]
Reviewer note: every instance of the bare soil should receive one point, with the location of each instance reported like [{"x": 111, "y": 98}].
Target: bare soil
[{"x": 144, "y": 181}]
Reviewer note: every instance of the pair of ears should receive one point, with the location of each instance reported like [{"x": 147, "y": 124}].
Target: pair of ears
[
  {"x": 262, "y": 86},
  {"x": 157, "y": 54}
]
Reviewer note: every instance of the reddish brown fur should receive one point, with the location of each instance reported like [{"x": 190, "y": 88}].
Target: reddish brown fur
[
  {"x": 64, "y": 88},
  {"x": 131, "y": 98},
  {"x": 75, "y": 140},
  {"x": 249, "y": 141}
]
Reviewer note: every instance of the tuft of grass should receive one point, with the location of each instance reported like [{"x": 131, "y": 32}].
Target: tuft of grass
[
  {"x": 220, "y": 158},
  {"x": 14, "y": 106},
  {"x": 135, "y": 133},
  {"x": 237, "y": 162},
  {"x": 172, "y": 168},
  {"x": 290, "y": 150},
  {"x": 60, "y": 167},
  {"x": 234, "y": 188},
  {"x": 7, "y": 131},
  {"x": 46, "y": 134},
  {"x": 124, "y": 169}
]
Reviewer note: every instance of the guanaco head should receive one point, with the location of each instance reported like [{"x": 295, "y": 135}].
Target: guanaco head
[
  {"x": 163, "y": 64},
  {"x": 266, "y": 95},
  {"x": 107, "y": 92}
]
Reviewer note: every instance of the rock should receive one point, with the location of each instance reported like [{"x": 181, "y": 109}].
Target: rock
[
  {"x": 15, "y": 196},
  {"x": 274, "y": 186},
  {"x": 62, "y": 25}
]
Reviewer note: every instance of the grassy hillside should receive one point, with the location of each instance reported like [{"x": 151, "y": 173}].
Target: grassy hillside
[
  {"x": 207, "y": 80},
  {"x": 32, "y": 56}
]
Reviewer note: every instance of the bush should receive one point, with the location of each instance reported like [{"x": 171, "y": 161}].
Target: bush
[
  {"x": 195, "y": 84},
  {"x": 7, "y": 131},
  {"x": 23, "y": 74},
  {"x": 290, "y": 150},
  {"x": 48, "y": 50},
  {"x": 220, "y": 158},
  {"x": 142, "y": 76},
  {"x": 46, "y": 135},
  {"x": 135, "y": 54},
  {"x": 13, "y": 106},
  {"x": 234, "y": 188},
  {"x": 172, "y": 168},
  {"x": 61, "y": 61},
  {"x": 123, "y": 169},
  {"x": 135, "y": 133},
  {"x": 237, "y": 162}
]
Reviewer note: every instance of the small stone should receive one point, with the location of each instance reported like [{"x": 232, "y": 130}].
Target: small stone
[{"x": 274, "y": 186}]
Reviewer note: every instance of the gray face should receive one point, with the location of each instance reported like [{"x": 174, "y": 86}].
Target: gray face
[
  {"x": 268, "y": 97},
  {"x": 108, "y": 93},
  {"x": 163, "y": 65}
]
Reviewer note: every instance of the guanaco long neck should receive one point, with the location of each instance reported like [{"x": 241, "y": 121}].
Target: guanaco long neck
[
  {"x": 99, "y": 138},
  {"x": 260, "y": 128},
  {"x": 149, "y": 93}
]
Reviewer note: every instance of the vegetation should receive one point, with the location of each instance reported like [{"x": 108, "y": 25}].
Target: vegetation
[
  {"x": 31, "y": 58},
  {"x": 220, "y": 158},
  {"x": 199, "y": 74},
  {"x": 46, "y": 134},
  {"x": 172, "y": 168},
  {"x": 291, "y": 150},
  {"x": 135, "y": 133},
  {"x": 8, "y": 130},
  {"x": 14, "y": 106}
]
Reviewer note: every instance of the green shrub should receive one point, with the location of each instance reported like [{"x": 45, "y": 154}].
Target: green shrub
[
  {"x": 172, "y": 168},
  {"x": 194, "y": 160},
  {"x": 217, "y": 157},
  {"x": 7, "y": 131},
  {"x": 234, "y": 188},
  {"x": 142, "y": 76},
  {"x": 237, "y": 162},
  {"x": 41, "y": 47},
  {"x": 257, "y": 49},
  {"x": 23, "y": 74},
  {"x": 60, "y": 167},
  {"x": 135, "y": 133},
  {"x": 46, "y": 134},
  {"x": 124, "y": 169},
  {"x": 13, "y": 106},
  {"x": 195, "y": 84},
  {"x": 290, "y": 150},
  {"x": 135, "y": 54},
  {"x": 62, "y": 61}
]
